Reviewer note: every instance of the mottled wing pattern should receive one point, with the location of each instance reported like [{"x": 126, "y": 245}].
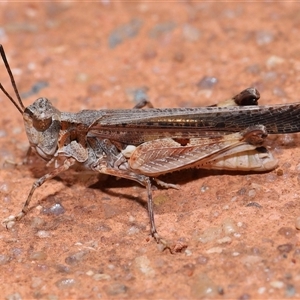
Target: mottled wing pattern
[
  {"x": 137, "y": 126},
  {"x": 230, "y": 152}
]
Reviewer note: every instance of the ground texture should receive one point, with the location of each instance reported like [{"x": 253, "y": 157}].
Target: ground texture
[{"x": 88, "y": 236}]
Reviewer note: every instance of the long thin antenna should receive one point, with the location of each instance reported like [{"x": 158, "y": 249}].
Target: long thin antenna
[{"x": 21, "y": 110}]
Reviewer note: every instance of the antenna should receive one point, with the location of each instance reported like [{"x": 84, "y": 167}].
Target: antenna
[{"x": 22, "y": 108}]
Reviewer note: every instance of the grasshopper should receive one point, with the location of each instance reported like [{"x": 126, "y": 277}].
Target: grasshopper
[{"x": 141, "y": 144}]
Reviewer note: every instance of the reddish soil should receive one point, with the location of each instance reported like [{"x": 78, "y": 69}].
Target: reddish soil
[{"x": 87, "y": 236}]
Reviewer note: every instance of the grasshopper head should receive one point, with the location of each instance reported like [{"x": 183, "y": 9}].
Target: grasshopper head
[
  {"x": 41, "y": 119},
  {"x": 42, "y": 125}
]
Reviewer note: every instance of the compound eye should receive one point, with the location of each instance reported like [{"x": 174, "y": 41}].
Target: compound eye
[{"x": 41, "y": 125}]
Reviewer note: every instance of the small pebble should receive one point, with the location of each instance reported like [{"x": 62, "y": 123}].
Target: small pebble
[
  {"x": 229, "y": 226},
  {"x": 210, "y": 234},
  {"x": 274, "y": 61},
  {"x": 233, "y": 199},
  {"x": 244, "y": 297},
  {"x": 123, "y": 32},
  {"x": 242, "y": 191},
  {"x": 39, "y": 85},
  {"x": 264, "y": 37},
  {"x": 62, "y": 268},
  {"x": 42, "y": 267},
  {"x": 15, "y": 296},
  {"x": 37, "y": 222},
  {"x": 226, "y": 207},
  {"x": 297, "y": 168},
  {"x": 133, "y": 230},
  {"x": 143, "y": 264},
  {"x": 188, "y": 269},
  {"x": 38, "y": 255},
  {"x": 76, "y": 258},
  {"x": 290, "y": 290},
  {"x": 56, "y": 210},
  {"x": 90, "y": 273},
  {"x": 252, "y": 193},
  {"x": 256, "y": 251},
  {"x": 224, "y": 240},
  {"x": 297, "y": 252},
  {"x": 43, "y": 234},
  {"x": 207, "y": 83},
  {"x": 52, "y": 297},
  {"x": 116, "y": 289},
  {"x": 253, "y": 204},
  {"x": 82, "y": 77},
  {"x": 287, "y": 139},
  {"x": 191, "y": 33},
  {"x": 277, "y": 284},
  {"x": 188, "y": 252},
  {"x": 204, "y": 287},
  {"x": 270, "y": 76},
  {"x": 99, "y": 277},
  {"x": 204, "y": 188},
  {"x": 161, "y": 28},
  {"x": 36, "y": 282},
  {"x": 137, "y": 95},
  {"x": 4, "y": 259},
  {"x": 131, "y": 219},
  {"x": 287, "y": 232},
  {"x": 202, "y": 260},
  {"x": 261, "y": 290},
  {"x": 286, "y": 165},
  {"x": 65, "y": 283},
  {"x": 251, "y": 259},
  {"x": 111, "y": 266},
  {"x": 103, "y": 227},
  {"x": 279, "y": 172},
  {"x": 214, "y": 250},
  {"x": 4, "y": 187},
  {"x": 16, "y": 252},
  {"x": 285, "y": 248}
]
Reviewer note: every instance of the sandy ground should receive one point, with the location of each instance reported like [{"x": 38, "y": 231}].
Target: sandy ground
[{"x": 88, "y": 236}]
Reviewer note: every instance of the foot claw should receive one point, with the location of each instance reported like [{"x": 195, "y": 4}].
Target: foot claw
[
  {"x": 10, "y": 221},
  {"x": 179, "y": 246},
  {"x": 163, "y": 244}
]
